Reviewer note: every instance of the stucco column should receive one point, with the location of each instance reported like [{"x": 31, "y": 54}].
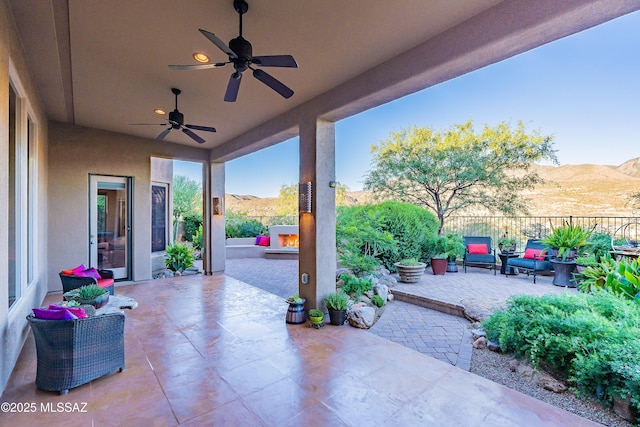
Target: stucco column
[
  {"x": 216, "y": 254},
  {"x": 318, "y": 229}
]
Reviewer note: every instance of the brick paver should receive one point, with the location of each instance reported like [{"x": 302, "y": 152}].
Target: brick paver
[{"x": 442, "y": 336}]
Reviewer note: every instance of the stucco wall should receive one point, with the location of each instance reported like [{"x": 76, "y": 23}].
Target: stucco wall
[
  {"x": 76, "y": 152},
  {"x": 13, "y": 326}
]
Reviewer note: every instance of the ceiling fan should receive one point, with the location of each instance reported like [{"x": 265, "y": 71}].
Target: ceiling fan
[
  {"x": 176, "y": 121},
  {"x": 241, "y": 56}
]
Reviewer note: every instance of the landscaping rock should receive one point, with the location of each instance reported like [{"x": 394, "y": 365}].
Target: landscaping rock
[
  {"x": 381, "y": 290},
  {"x": 389, "y": 281},
  {"x": 477, "y": 333},
  {"x": 480, "y": 343},
  {"x": 538, "y": 377},
  {"x": 168, "y": 273},
  {"x": 361, "y": 316},
  {"x": 390, "y": 297},
  {"x": 494, "y": 346},
  {"x": 479, "y": 309},
  {"x": 365, "y": 299}
]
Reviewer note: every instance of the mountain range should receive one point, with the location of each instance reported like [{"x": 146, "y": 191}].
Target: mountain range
[{"x": 578, "y": 190}]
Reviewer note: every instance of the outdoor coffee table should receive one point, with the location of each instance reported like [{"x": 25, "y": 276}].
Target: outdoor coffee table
[{"x": 116, "y": 304}]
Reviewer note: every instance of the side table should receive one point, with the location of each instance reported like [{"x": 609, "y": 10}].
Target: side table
[
  {"x": 563, "y": 275},
  {"x": 504, "y": 257}
]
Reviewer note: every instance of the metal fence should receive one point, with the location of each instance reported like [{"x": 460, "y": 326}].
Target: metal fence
[{"x": 523, "y": 228}]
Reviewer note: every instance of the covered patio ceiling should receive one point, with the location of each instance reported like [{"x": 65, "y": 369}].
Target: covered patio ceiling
[{"x": 104, "y": 64}]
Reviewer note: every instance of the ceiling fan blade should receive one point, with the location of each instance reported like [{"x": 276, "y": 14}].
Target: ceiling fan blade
[
  {"x": 273, "y": 83},
  {"x": 232, "y": 88},
  {"x": 198, "y": 66},
  {"x": 163, "y": 134},
  {"x": 193, "y": 136},
  {"x": 204, "y": 128},
  {"x": 275, "y": 61},
  {"x": 147, "y": 124},
  {"x": 221, "y": 45}
]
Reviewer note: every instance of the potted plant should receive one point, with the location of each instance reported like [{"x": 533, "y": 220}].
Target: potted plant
[
  {"x": 92, "y": 294},
  {"x": 565, "y": 241},
  {"x": 295, "y": 313},
  {"x": 507, "y": 244},
  {"x": 410, "y": 270},
  {"x": 337, "y": 303},
  {"x": 437, "y": 249},
  {"x": 316, "y": 317},
  {"x": 455, "y": 248}
]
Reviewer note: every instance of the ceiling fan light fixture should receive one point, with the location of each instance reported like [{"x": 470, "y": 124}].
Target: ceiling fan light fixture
[
  {"x": 160, "y": 111},
  {"x": 201, "y": 57}
]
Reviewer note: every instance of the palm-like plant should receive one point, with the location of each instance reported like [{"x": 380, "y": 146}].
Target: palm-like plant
[{"x": 567, "y": 238}]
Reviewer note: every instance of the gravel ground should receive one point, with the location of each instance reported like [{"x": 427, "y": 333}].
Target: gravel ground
[{"x": 495, "y": 367}]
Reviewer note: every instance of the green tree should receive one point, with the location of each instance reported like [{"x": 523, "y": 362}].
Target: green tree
[
  {"x": 459, "y": 168},
  {"x": 288, "y": 199},
  {"x": 187, "y": 197}
]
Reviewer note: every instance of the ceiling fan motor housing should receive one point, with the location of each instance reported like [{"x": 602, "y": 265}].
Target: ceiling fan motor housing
[
  {"x": 243, "y": 49},
  {"x": 176, "y": 118}
]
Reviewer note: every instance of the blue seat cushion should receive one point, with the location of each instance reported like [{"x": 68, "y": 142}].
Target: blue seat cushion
[
  {"x": 529, "y": 264},
  {"x": 480, "y": 258}
]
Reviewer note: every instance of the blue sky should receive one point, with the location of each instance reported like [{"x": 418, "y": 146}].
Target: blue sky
[{"x": 583, "y": 89}]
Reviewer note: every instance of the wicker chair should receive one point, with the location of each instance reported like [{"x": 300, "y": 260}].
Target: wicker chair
[
  {"x": 70, "y": 282},
  {"x": 74, "y": 352}
]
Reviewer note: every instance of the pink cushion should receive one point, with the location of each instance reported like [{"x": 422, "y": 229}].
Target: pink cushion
[
  {"x": 89, "y": 272},
  {"x": 105, "y": 283},
  {"x": 538, "y": 254},
  {"x": 49, "y": 314},
  {"x": 264, "y": 241},
  {"x": 478, "y": 248},
  {"x": 75, "y": 270}
]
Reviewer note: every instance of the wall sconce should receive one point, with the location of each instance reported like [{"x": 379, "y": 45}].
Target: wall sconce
[
  {"x": 304, "y": 197},
  {"x": 217, "y": 206}
]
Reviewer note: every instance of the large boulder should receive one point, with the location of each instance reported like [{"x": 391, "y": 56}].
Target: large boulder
[
  {"x": 361, "y": 316},
  {"x": 382, "y": 290}
]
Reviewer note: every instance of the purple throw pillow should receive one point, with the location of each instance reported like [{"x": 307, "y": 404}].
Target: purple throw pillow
[
  {"x": 47, "y": 314},
  {"x": 89, "y": 272}
]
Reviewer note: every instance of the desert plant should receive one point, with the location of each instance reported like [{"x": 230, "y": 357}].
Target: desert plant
[
  {"x": 587, "y": 260},
  {"x": 409, "y": 262},
  {"x": 599, "y": 245},
  {"x": 355, "y": 285},
  {"x": 436, "y": 247},
  {"x": 336, "y": 301},
  {"x": 591, "y": 339},
  {"x": 455, "y": 246},
  {"x": 192, "y": 222},
  {"x": 595, "y": 276},
  {"x": 197, "y": 238},
  {"x": 295, "y": 299},
  {"x": 179, "y": 257},
  {"x": 314, "y": 312},
  {"x": 567, "y": 238},
  {"x": 89, "y": 291},
  {"x": 377, "y": 300}
]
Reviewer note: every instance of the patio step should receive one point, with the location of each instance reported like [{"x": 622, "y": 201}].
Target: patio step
[{"x": 430, "y": 303}]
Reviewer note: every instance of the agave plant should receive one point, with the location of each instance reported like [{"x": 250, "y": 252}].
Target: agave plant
[{"x": 567, "y": 238}]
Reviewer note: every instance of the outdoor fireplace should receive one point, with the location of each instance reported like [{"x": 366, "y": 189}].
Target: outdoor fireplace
[
  {"x": 284, "y": 242},
  {"x": 288, "y": 240}
]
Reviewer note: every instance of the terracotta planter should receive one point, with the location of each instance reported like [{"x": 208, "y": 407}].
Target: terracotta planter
[
  {"x": 411, "y": 273},
  {"x": 439, "y": 266}
]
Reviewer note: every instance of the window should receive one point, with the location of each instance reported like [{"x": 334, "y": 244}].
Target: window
[
  {"x": 158, "y": 218},
  {"x": 22, "y": 192},
  {"x": 14, "y": 197}
]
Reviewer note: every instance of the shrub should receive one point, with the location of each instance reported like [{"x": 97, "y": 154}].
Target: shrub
[
  {"x": 383, "y": 233},
  {"x": 89, "y": 291},
  {"x": 239, "y": 225},
  {"x": 197, "y": 238},
  {"x": 191, "y": 224},
  {"x": 179, "y": 257},
  {"x": 377, "y": 300},
  {"x": 355, "y": 285},
  {"x": 409, "y": 262},
  {"x": 336, "y": 301},
  {"x": 592, "y": 339}
]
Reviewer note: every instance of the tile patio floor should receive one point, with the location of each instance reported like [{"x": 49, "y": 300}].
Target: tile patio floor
[{"x": 203, "y": 350}]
